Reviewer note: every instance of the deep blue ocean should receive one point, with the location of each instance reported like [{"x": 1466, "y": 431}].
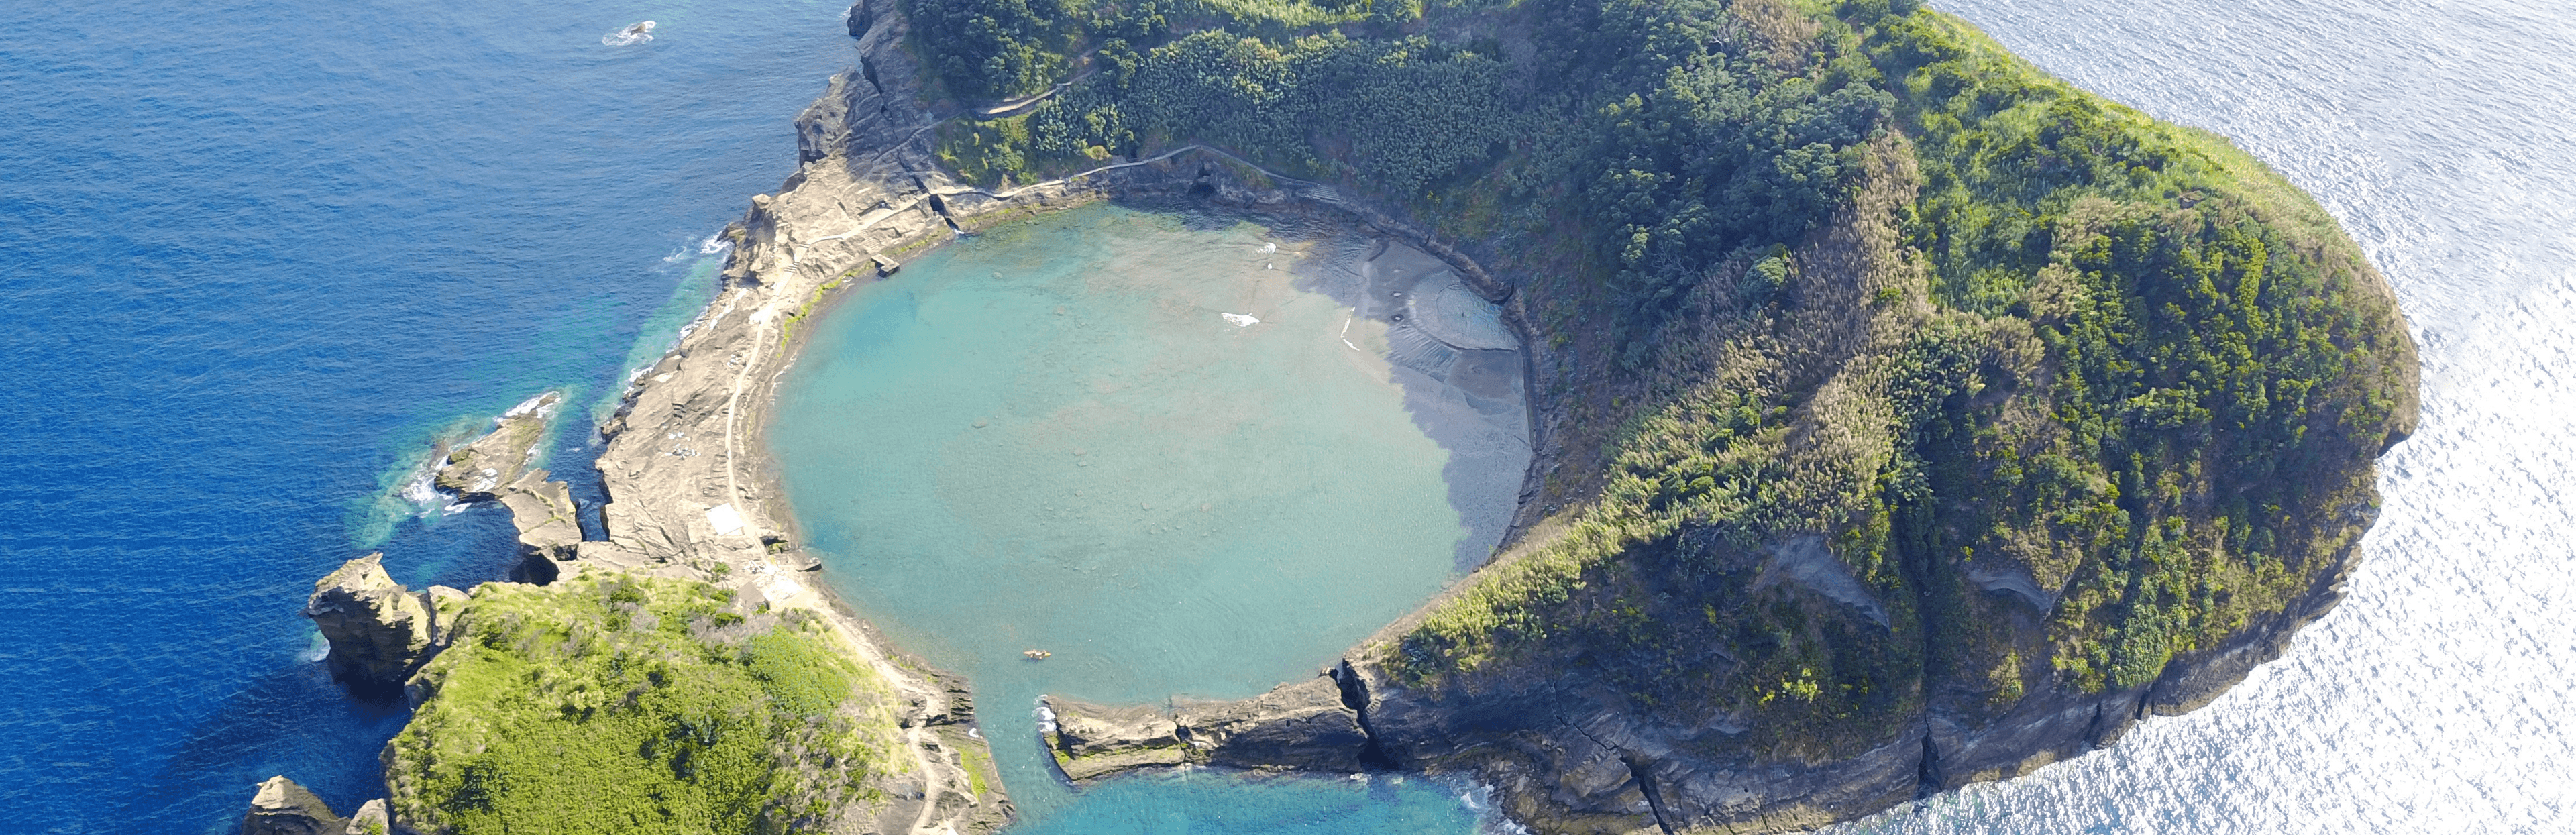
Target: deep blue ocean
[{"x": 254, "y": 257}]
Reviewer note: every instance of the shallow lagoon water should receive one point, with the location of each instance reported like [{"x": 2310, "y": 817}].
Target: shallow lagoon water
[{"x": 1053, "y": 436}]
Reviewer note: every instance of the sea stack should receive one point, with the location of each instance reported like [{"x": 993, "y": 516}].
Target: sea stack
[
  {"x": 379, "y": 630},
  {"x": 283, "y": 808}
]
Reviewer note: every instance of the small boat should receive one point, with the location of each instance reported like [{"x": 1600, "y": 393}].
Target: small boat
[{"x": 1036, "y": 654}]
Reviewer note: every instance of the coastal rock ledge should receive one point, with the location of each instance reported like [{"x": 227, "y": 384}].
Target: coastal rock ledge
[{"x": 1303, "y": 726}]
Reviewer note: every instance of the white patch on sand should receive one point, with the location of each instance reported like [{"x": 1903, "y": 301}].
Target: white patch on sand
[{"x": 724, "y": 519}]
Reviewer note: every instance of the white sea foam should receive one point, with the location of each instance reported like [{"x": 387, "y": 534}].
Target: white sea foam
[
  {"x": 537, "y": 405},
  {"x": 314, "y": 650},
  {"x": 714, "y": 244},
  {"x": 630, "y": 35},
  {"x": 422, "y": 488}
]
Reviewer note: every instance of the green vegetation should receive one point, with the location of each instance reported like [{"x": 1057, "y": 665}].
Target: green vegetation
[
  {"x": 637, "y": 706},
  {"x": 992, "y": 49},
  {"x": 2069, "y": 392},
  {"x": 2119, "y": 357},
  {"x": 1402, "y": 110}
]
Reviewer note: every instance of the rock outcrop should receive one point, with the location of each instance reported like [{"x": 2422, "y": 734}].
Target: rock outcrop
[
  {"x": 281, "y": 807},
  {"x": 1303, "y": 726},
  {"x": 371, "y": 819},
  {"x": 379, "y": 630},
  {"x": 477, "y": 470},
  {"x": 494, "y": 468}
]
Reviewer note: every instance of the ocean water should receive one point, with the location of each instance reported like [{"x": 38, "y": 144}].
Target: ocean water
[
  {"x": 1061, "y": 435},
  {"x": 254, "y": 255}
]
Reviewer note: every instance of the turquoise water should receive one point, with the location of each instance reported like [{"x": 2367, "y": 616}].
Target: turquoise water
[{"x": 1051, "y": 437}]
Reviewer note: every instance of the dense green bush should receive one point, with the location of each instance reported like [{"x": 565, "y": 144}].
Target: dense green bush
[
  {"x": 637, "y": 706},
  {"x": 1710, "y": 144},
  {"x": 991, "y": 49}
]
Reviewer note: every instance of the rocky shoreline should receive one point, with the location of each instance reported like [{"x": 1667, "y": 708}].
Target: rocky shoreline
[{"x": 1601, "y": 771}]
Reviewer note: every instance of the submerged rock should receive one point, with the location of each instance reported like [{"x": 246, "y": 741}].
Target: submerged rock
[
  {"x": 283, "y": 808},
  {"x": 379, "y": 630}
]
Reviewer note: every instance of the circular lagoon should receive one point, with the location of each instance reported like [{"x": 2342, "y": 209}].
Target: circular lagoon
[{"x": 1176, "y": 454}]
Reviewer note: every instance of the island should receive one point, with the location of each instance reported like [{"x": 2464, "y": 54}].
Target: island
[{"x": 1904, "y": 418}]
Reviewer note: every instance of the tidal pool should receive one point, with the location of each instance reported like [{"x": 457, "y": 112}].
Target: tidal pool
[{"x": 1184, "y": 454}]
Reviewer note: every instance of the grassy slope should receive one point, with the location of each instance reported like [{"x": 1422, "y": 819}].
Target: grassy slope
[{"x": 634, "y": 706}]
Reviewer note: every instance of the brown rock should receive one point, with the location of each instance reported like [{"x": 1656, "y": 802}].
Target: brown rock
[
  {"x": 283, "y": 808},
  {"x": 1300, "y": 725},
  {"x": 379, "y": 631},
  {"x": 370, "y": 819},
  {"x": 477, "y": 470}
]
